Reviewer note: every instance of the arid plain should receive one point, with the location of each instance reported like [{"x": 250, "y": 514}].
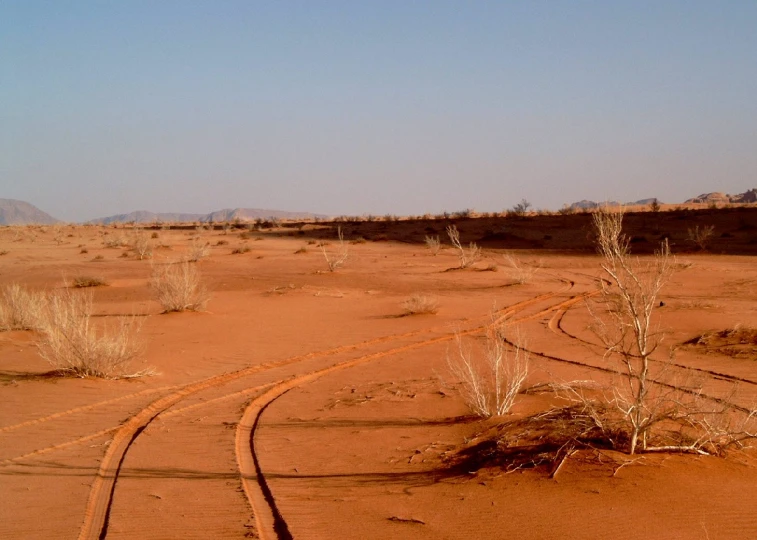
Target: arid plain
[{"x": 307, "y": 403}]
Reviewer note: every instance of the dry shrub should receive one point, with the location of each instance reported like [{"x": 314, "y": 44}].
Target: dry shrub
[
  {"x": 701, "y": 237},
  {"x": 433, "y": 244},
  {"x": 71, "y": 343},
  {"x": 20, "y": 309},
  {"x": 467, "y": 257},
  {"x": 178, "y": 287},
  {"x": 662, "y": 408},
  {"x": 419, "y": 304},
  {"x": 140, "y": 243},
  {"x": 117, "y": 242},
  {"x": 199, "y": 249},
  {"x": 490, "y": 382},
  {"x": 339, "y": 257},
  {"x": 520, "y": 272},
  {"x": 80, "y": 282}
]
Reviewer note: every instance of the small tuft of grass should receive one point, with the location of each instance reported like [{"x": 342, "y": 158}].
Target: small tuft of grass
[
  {"x": 419, "y": 304},
  {"x": 240, "y": 250},
  {"x": 80, "y": 282}
]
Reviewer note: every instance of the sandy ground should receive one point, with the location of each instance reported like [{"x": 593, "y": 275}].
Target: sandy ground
[{"x": 303, "y": 404}]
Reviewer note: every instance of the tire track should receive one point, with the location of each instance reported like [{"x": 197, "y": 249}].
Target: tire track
[
  {"x": 219, "y": 380},
  {"x": 83, "y": 408},
  {"x": 103, "y": 488},
  {"x": 555, "y": 324},
  {"x": 617, "y": 372},
  {"x": 269, "y": 522}
]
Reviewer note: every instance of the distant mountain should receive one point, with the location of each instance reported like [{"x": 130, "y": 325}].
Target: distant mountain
[
  {"x": 587, "y": 205},
  {"x": 748, "y": 196},
  {"x": 645, "y": 202},
  {"x": 228, "y": 214},
  {"x": 13, "y": 212},
  {"x": 716, "y": 197},
  {"x": 142, "y": 216},
  {"x": 250, "y": 214}
]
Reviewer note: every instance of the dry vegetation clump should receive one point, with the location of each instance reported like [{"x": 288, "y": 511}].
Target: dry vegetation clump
[
  {"x": 141, "y": 245},
  {"x": 80, "y": 282},
  {"x": 241, "y": 250},
  {"x": 433, "y": 244},
  {"x": 701, "y": 237},
  {"x": 521, "y": 272},
  {"x": 116, "y": 242},
  {"x": 178, "y": 287},
  {"x": 20, "y": 309},
  {"x": 467, "y": 257},
  {"x": 737, "y": 342},
  {"x": 199, "y": 249},
  {"x": 540, "y": 441},
  {"x": 337, "y": 258},
  {"x": 419, "y": 304},
  {"x": 490, "y": 379},
  {"x": 70, "y": 342}
]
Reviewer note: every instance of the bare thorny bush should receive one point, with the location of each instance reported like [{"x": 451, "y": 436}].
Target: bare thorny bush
[
  {"x": 701, "y": 237},
  {"x": 662, "y": 408},
  {"x": 467, "y": 257},
  {"x": 490, "y": 379},
  {"x": 339, "y": 257},
  {"x": 141, "y": 245}
]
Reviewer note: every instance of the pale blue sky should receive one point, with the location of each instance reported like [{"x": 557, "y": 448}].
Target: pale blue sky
[{"x": 352, "y": 107}]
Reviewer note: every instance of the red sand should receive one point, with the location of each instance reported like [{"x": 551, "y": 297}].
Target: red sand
[{"x": 351, "y": 423}]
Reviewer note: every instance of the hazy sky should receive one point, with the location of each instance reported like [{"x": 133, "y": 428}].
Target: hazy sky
[{"x": 357, "y": 106}]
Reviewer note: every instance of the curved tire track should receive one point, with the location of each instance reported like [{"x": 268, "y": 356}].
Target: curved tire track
[
  {"x": 219, "y": 380},
  {"x": 103, "y": 488},
  {"x": 268, "y": 519}
]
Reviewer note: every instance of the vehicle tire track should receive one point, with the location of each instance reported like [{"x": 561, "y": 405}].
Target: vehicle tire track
[
  {"x": 103, "y": 488},
  {"x": 268, "y": 519},
  {"x": 556, "y": 326},
  {"x": 83, "y": 408},
  {"x": 227, "y": 377}
]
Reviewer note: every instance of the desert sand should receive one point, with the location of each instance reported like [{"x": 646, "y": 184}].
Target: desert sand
[{"x": 303, "y": 404}]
